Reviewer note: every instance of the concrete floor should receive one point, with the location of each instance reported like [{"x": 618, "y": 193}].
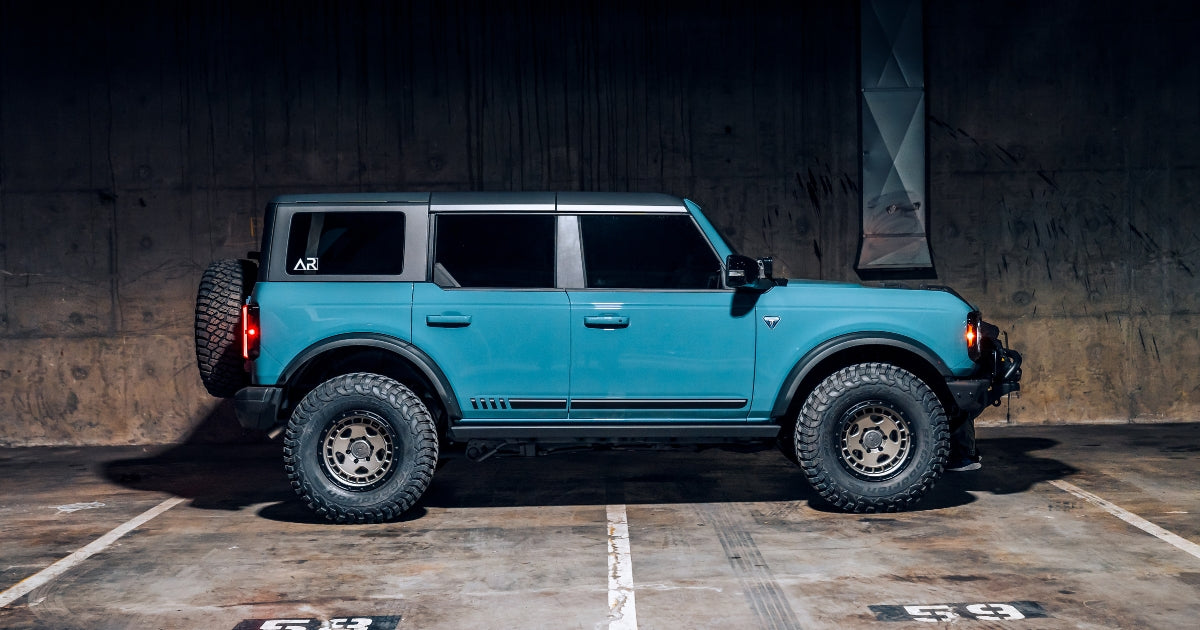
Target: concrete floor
[{"x": 716, "y": 539}]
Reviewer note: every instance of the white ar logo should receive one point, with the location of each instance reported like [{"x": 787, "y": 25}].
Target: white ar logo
[{"x": 305, "y": 264}]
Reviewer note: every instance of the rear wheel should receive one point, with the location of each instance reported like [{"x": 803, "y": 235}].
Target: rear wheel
[
  {"x": 361, "y": 448},
  {"x": 872, "y": 438},
  {"x": 223, "y": 289}
]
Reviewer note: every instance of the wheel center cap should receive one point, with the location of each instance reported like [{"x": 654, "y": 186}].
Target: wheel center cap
[
  {"x": 360, "y": 449},
  {"x": 872, "y": 439}
]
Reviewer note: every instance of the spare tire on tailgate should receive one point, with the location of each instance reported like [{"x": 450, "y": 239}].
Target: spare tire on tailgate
[{"x": 223, "y": 289}]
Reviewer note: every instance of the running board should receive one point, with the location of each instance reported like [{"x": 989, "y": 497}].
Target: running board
[{"x": 609, "y": 432}]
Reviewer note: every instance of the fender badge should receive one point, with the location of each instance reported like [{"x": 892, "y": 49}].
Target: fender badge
[{"x": 771, "y": 321}]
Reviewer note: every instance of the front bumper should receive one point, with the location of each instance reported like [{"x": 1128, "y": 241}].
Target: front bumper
[
  {"x": 999, "y": 374},
  {"x": 258, "y": 407}
]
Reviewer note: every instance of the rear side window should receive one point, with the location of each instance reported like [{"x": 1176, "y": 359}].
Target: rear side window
[
  {"x": 346, "y": 243},
  {"x": 647, "y": 251},
  {"x": 494, "y": 250}
]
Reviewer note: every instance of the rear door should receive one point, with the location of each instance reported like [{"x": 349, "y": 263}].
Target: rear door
[
  {"x": 492, "y": 318},
  {"x": 655, "y": 336}
]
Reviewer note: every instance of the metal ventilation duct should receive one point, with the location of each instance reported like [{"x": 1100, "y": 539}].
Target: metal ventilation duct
[{"x": 895, "y": 225}]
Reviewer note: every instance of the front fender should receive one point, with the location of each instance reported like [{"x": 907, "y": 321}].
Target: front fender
[{"x": 859, "y": 340}]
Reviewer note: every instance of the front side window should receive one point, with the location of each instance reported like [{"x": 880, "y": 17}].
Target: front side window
[
  {"x": 647, "y": 251},
  {"x": 494, "y": 250},
  {"x": 346, "y": 243}
]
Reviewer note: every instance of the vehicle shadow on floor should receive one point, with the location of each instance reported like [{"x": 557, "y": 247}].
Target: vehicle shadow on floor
[
  {"x": 234, "y": 477},
  {"x": 218, "y": 467},
  {"x": 689, "y": 476},
  {"x": 1010, "y": 466}
]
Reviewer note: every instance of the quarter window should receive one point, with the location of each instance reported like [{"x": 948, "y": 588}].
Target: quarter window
[
  {"x": 646, "y": 251},
  {"x": 494, "y": 250},
  {"x": 346, "y": 243}
]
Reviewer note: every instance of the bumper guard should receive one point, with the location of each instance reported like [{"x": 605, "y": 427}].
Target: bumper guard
[
  {"x": 998, "y": 376},
  {"x": 258, "y": 407}
]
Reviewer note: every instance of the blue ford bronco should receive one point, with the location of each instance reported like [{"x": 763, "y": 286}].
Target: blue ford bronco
[{"x": 374, "y": 329}]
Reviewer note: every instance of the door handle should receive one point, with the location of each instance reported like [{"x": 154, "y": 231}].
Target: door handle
[
  {"x": 448, "y": 321},
  {"x": 606, "y": 321}
]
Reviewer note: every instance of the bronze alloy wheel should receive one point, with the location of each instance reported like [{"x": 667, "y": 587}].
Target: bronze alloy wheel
[
  {"x": 358, "y": 450},
  {"x": 875, "y": 440}
]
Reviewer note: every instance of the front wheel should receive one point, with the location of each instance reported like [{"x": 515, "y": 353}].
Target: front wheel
[
  {"x": 872, "y": 438},
  {"x": 360, "y": 448}
]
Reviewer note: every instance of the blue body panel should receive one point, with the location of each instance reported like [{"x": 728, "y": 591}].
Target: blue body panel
[
  {"x": 811, "y": 312},
  {"x": 514, "y": 344},
  {"x": 296, "y": 315},
  {"x": 677, "y": 345},
  {"x": 685, "y": 346}
]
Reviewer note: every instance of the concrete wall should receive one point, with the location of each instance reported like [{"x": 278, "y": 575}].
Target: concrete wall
[{"x": 140, "y": 141}]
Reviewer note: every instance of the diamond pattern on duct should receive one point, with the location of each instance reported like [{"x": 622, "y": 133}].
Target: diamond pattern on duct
[
  {"x": 892, "y": 44},
  {"x": 892, "y": 136},
  {"x": 893, "y": 184}
]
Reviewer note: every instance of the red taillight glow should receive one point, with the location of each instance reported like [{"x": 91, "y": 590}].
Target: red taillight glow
[{"x": 249, "y": 332}]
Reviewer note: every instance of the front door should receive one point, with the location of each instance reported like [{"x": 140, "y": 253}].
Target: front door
[{"x": 654, "y": 336}]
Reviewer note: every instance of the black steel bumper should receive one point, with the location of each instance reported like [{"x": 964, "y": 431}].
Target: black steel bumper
[
  {"x": 258, "y": 407},
  {"x": 999, "y": 375}
]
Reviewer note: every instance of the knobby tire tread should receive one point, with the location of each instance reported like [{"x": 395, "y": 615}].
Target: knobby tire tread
[
  {"x": 223, "y": 287},
  {"x": 422, "y": 447},
  {"x": 811, "y": 420}
]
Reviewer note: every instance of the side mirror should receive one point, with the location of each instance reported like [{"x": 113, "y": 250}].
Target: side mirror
[
  {"x": 740, "y": 271},
  {"x": 744, "y": 271}
]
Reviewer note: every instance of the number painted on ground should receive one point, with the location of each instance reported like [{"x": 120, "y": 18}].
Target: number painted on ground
[
  {"x": 285, "y": 624},
  {"x": 373, "y": 622},
  {"x": 994, "y": 612},
  {"x": 356, "y": 623},
  {"x": 933, "y": 614},
  {"x": 940, "y": 613}
]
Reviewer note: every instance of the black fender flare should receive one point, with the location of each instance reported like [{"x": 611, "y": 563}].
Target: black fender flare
[
  {"x": 830, "y": 347},
  {"x": 399, "y": 347}
]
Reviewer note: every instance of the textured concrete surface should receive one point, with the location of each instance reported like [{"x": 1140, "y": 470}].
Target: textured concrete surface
[
  {"x": 139, "y": 141},
  {"x": 717, "y": 539}
]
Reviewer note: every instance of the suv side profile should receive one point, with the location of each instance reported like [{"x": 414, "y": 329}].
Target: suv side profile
[{"x": 374, "y": 329}]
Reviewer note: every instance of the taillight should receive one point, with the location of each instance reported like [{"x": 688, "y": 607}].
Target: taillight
[
  {"x": 973, "y": 336},
  {"x": 250, "y": 331}
]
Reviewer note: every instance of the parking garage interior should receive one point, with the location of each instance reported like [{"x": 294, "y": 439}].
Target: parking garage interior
[{"x": 139, "y": 141}]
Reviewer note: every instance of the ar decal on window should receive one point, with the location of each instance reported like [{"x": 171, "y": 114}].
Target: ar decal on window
[{"x": 305, "y": 264}]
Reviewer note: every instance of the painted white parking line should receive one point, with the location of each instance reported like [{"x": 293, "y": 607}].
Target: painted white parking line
[
  {"x": 100, "y": 544},
  {"x": 1179, "y": 542},
  {"x": 622, "y": 614}
]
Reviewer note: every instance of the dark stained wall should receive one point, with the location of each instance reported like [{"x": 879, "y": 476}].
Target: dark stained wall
[
  {"x": 1065, "y": 146},
  {"x": 140, "y": 141}
]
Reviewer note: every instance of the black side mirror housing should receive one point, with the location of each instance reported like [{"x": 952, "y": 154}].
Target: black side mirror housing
[{"x": 746, "y": 272}]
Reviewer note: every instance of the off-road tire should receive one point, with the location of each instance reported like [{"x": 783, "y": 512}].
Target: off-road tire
[
  {"x": 391, "y": 479},
  {"x": 223, "y": 288},
  {"x": 829, "y": 438}
]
